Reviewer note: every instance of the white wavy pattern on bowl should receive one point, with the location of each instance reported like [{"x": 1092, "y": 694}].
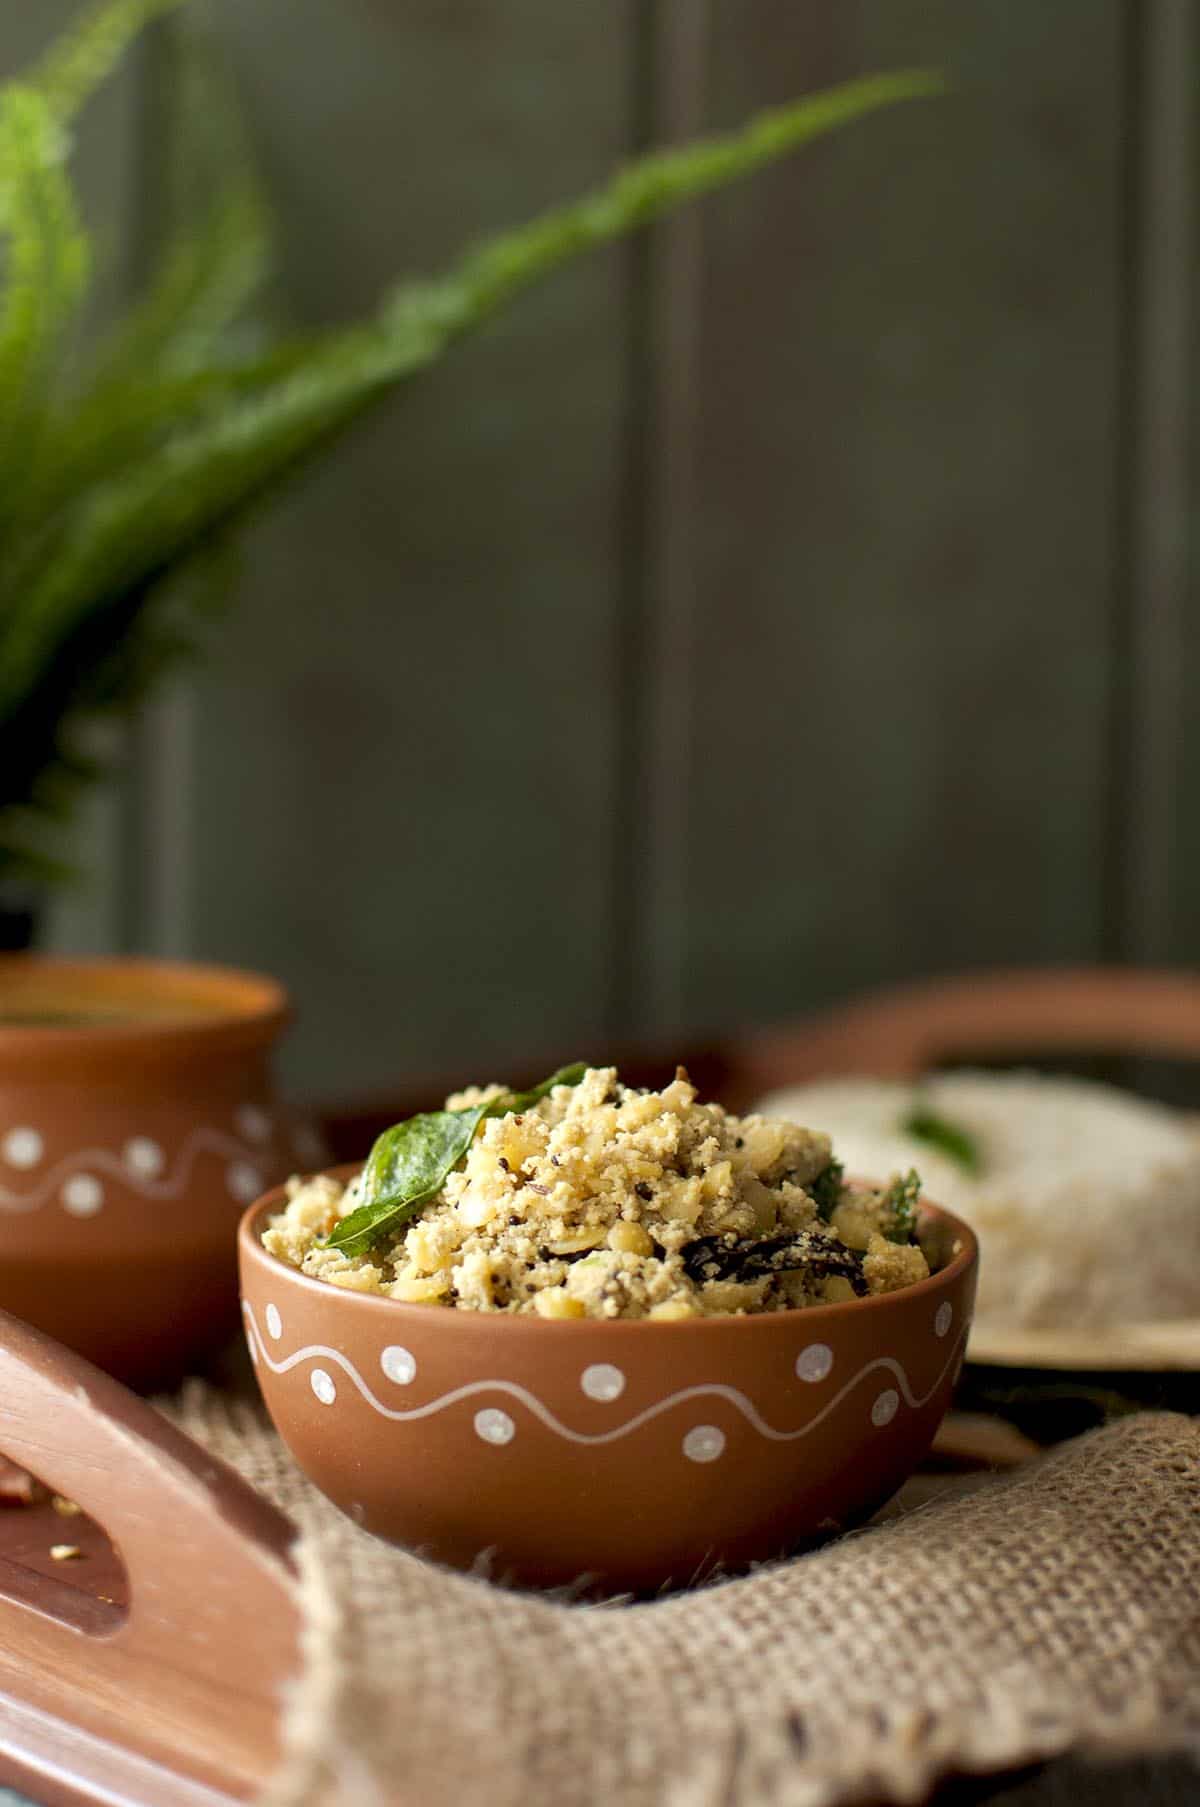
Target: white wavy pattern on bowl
[
  {"x": 142, "y": 1165},
  {"x": 605, "y": 1382}
]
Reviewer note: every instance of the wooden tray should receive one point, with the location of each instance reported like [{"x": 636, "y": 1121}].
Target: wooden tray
[{"x": 148, "y": 1670}]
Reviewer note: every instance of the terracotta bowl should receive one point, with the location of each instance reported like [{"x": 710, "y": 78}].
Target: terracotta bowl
[
  {"x": 606, "y": 1455},
  {"x": 137, "y": 1118}
]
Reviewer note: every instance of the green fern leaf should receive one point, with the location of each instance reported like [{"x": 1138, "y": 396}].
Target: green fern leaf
[
  {"x": 171, "y": 360},
  {"x": 47, "y": 267},
  {"x": 129, "y": 532},
  {"x": 217, "y": 234},
  {"x": 84, "y": 57},
  {"x": 83, "y": 625}
]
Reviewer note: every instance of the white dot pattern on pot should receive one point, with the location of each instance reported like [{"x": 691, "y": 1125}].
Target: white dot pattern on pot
[
  {"x": 82, "y": 1195},
  {"x": 244, "y": 1182},
  {"x": 22, "y": 1147},
  {"x": 399, "y": 1364},
  {"x": 274, "y": 1321},
  {"x": 307, "y": 1142},
  {"x": 704, "y": 1443},
  {"x": 144, "y": 1157},
  {"x": 494, "y": 1426},
  {"x": 602, "y": 1381},
  {"x": 814, "y": 1363},
  {"x": 944, "y": 1318},
  {"x": 254, "y": 1123},
  {"x": 322, "y": 1385},
  {"x": 885, "y": 1408}
]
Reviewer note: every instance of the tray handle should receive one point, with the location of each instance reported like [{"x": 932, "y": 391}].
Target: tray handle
[
  {"x": 191, "y": 1674},
  {"x": 903, "y": 1032}
]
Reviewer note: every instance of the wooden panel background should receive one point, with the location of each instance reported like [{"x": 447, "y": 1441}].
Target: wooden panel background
[{"x": 793, "y": 602}]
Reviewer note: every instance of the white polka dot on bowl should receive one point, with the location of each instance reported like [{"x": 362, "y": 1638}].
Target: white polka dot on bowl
[
  {"x": 274, "y": 1321},
  {"x": 244, "y": 1182},
  {"x": 82, "y": 1195},
  {"x": 602, "y": 1381},
  {"x": 309, "y": 1144},
  {"x": 885, "y": 1408},
  {"x": 322, "y": 1385},
  {"x": 253, "y": 1123},
  {"x": 814, "y": 1363},
  {"x": 944, "y": 1318},
  {"x": 493, "y": 1426},
  {"x": 399, "y": 1364},
  {"x": 143, "y": 1157},
  {"x": 704, "y": 1443},
  {"x": 22, "y": 1147}
]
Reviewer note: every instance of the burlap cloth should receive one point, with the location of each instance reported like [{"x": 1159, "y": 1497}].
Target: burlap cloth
[{"x": 1058, "y": 1608}]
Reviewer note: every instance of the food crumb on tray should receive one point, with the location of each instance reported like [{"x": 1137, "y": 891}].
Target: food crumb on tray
[
  {"x": 591, "y": 1199},
  {"x": 17, "y": 1486}
]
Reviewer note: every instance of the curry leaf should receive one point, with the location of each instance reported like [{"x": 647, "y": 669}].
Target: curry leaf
[
  {"x": 900, "y": 1206},
  {"x": 523, "y": 1101},
  {"x": 950, "y": 1139},
  {"x": 408, "y": 1165},
  {"x": 826, "y": 1189}
]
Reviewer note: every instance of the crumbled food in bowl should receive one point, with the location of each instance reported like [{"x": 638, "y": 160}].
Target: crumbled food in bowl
[{"x": 600, "y": 1201}]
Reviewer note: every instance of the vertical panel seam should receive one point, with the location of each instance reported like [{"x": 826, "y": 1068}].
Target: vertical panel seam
[
  {"x": 629, "y": 601},
  {"x": 156, "y": 818},
  {"x": 1152, "y": 472},
  {"x": 656, "y": 607}
]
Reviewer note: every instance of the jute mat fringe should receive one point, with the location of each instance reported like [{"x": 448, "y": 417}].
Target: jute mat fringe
[{"x": 1056, "y": 1609}]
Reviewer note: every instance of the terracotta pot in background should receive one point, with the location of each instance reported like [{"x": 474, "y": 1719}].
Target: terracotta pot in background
[{"x": 137, "y": 1118}]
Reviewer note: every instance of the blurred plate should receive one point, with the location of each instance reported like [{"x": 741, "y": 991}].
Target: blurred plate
[{"x": 1170, "y": 1346}]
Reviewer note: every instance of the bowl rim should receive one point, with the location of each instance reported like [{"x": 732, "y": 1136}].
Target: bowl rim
[
  {"x": 403, "y": 1311},
  {"x": 239, "y": 1007}
]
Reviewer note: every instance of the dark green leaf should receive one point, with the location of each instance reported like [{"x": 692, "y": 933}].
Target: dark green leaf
[
  {"x": 900, "y": 1206},
  {"x": 408, "y": 1165},
  {"x": 523, "y": 1101},
  {"x": 924, "y": 1125},
  {"x": 827, "y": 1189},
  {"x": 815, "y": 1253}
]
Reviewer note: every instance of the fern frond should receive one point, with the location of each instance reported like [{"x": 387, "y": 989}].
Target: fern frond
[
  {"x": 86, "y": 55},
  {"x": 180, "y": 454},
  {"x": 129, "y": 532},
  {"x": 47, "y": 263},
  {"x": 664, "y": 180},
  {"x": 217, "y": 249},
  {"x": 173, "y": 357}
]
